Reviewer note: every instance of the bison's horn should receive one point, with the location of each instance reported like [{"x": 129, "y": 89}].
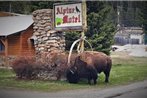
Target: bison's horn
[
  {"x": 71, "y": 71},
  {"x": 75, "y": 68}
]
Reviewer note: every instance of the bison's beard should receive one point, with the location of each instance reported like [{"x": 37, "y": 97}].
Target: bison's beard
[{"x": 72, "y": 77}]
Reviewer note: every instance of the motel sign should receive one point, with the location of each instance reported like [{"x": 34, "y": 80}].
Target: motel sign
[{"x": 68, "y": 16}]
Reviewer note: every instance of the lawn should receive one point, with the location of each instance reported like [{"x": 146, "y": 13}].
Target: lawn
[{"x": 125, "y": 70}]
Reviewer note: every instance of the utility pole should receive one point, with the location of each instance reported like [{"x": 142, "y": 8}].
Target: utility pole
[{"x": 118, "y": 18}]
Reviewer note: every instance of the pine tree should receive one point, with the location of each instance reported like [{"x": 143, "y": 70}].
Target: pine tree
[
  {"x": 101, "y": 28},
  {"x": 143, "y": 17}
]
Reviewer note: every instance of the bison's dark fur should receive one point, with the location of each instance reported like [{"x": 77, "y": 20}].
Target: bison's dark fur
[{"x": 87, "y": 65}]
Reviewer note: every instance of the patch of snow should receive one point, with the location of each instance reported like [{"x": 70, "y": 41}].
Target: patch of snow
[{"x": 134, "y": 50}]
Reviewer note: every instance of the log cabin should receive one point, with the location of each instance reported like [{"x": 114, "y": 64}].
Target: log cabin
[
  {"x": 130, "y": 35},
  {"x": 16, "y": 36}
]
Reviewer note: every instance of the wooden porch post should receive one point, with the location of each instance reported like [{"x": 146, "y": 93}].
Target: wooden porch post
[
  {"x": 6, "y": 46},
  {"x": 20, "y": 48},
  {"x": 5, "y": 42}
]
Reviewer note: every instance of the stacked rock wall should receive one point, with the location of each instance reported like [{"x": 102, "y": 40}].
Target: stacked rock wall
[{"x": 46, "y": 39}]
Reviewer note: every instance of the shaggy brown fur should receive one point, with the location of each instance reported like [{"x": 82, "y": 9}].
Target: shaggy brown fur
[{"x": 88, "y": 64}]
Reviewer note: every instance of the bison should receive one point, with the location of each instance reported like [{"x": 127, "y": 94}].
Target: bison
[{"x": 87, "y": 65}]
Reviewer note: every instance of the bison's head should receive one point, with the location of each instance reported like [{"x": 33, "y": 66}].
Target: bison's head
[
  {"x": 72, "y": 75},
  {"x": 74, "y": 72}
]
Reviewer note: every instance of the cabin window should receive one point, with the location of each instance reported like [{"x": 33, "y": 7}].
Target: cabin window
[
  {"x": 32, "y": 42},
  {"x": 2, "y": 47}
]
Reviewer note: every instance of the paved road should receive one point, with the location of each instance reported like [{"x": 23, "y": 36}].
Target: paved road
[{"x": 135, "y": 90}]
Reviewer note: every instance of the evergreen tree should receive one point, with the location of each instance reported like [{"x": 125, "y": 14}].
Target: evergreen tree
[
  {"x": 101, "y": 28},
  {"x": 70, "y": 37},
  {"x": 101, "y": 18},
  {"x": 144, "y": 15},
  {"x": 143, "y": 18},
  {"x": 41, "y": 5}
]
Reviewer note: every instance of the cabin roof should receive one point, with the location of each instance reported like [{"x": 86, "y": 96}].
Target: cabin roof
[
  {"x": 126, "y": 31},
  {"x": 13, "y": 24}
]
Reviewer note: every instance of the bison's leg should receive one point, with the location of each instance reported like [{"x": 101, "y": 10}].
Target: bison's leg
[
  {"x": 92, "y": 76},
  {"x": 106, "y": 76},
  {"x": 95, "y": 76},
  {"x": 89, "y": 81},
  {"x": 95, "y": 82},
  {"x": 108, "y": 69},
  {"x": 107, "y": 72}
]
